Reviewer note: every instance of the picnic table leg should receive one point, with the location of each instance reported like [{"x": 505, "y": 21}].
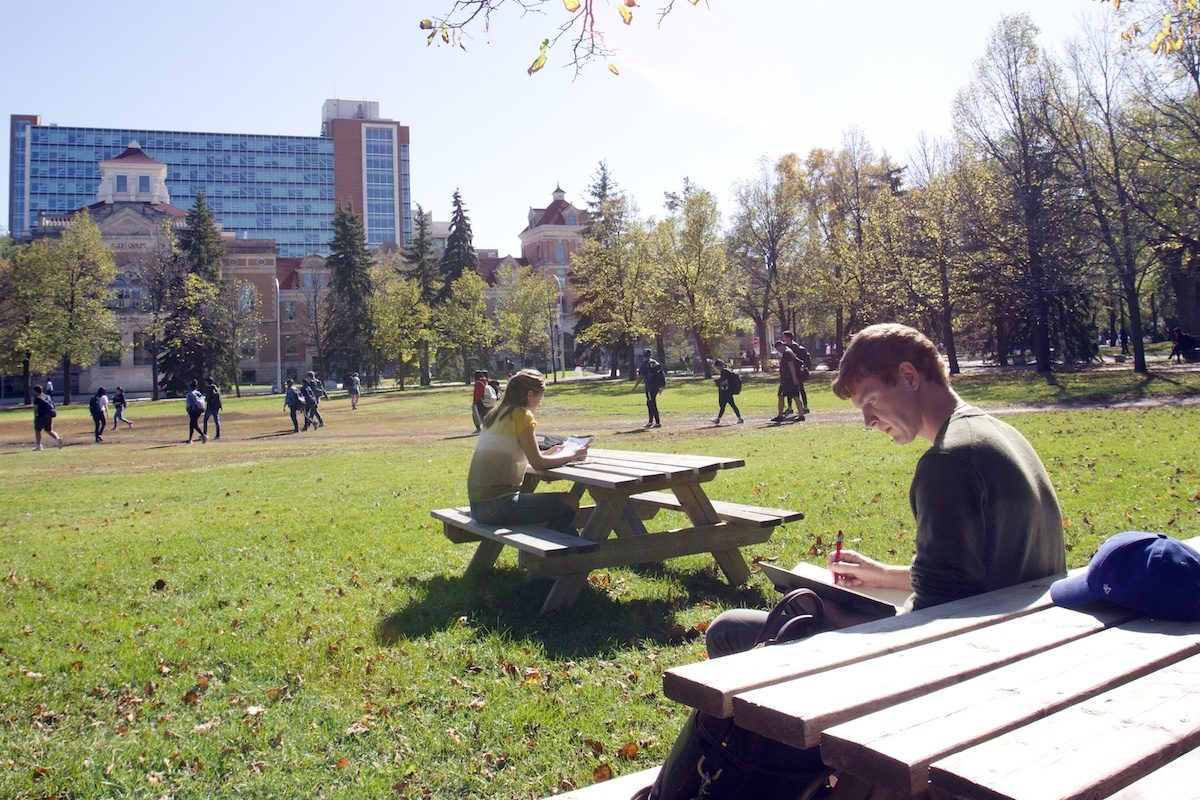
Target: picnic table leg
[
  {"x": 733, "y": 564},
  {"x": 565, "y": 591},
  {"x": 485, "y": 557},
  {"x": 700, "y": 510}
]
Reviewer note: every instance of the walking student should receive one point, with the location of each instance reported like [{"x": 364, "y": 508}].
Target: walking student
[
  {"x": 803, "y": 367},
  {"x": 309, "y": 395},
  {"x": 789, "y": 379},
  {"x": 317, "y": 388},
  {"x": 505, "y": 450},
  {"x": 651, "y": 373},
  {"x": 212, "y": 406},
  {"x": 293, "y": 403},
  {"x": 193, "y": 403},
  {"x": 44, "y": 413},
  {"x": 119, "y": 402},
  {"x": 355, "y": 388},
  {"x": 98, "y": 406},
  {"x": 478, "y": 412},
  {"x": 728, "y": 383}
]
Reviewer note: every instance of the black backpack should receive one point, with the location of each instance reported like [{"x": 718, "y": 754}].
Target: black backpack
[
  {"x": 94, "y": 405},
  {"x": 735, "y": 383},
  {"x": 656, "y": 378}
]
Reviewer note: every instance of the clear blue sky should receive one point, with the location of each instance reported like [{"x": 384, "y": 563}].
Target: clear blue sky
[{"x": 705, "y": 96}]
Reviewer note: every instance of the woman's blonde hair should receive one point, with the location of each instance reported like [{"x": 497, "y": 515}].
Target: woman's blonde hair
[{"x": 516, "y": 394}]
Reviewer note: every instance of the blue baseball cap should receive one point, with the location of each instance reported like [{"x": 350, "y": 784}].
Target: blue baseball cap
[{"x": 1148, "y": 572}]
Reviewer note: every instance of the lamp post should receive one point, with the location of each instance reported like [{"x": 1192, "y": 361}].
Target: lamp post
[
  {"x": 278, "y": 342},
  {"x": 556, "y": 324}
]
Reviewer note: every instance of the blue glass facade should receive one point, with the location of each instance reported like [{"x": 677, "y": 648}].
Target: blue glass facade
[
  {"x": 380, "y": 181},
  {"x": 265, "y": 187}
]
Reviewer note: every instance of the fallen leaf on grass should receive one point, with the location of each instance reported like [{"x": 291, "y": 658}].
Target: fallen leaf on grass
[
  {"x": 596, "y": 747},
  {"x": 628, "y": 752},
  {"x": 342, "y": 763},
  {"x": 602, "y": 773}
]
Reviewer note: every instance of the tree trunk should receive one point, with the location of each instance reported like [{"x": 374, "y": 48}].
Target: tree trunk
[
  {"x": 1129, "y": 284},
  {"x": 66, "y": 367},
  {"x": 703, "y": 352},
  {"x": 26, "y": 379},
  {"x": 424, "y": 378}
]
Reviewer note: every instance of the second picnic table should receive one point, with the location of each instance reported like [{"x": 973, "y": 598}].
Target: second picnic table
[{"x": 628, "y": 487}]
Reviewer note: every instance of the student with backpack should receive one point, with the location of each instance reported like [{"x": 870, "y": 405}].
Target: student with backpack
[
  {"x": 728, "y": 383},
  {"x": 119, "y": 402},
  {"x": 313, "y": 412},
  {"x": 308, "y": 394},
  {"x": 212, "y": 406},
  {"x": 803, "y": 367},
  {"x": 44, "y": 413},
  {"x": 98, "y": 406},
  {"x": 651, "y": 373},
  {"x": 293, "y": 403},
  {"x": 194, "y": 403},
  {"x": 478, "y": 412}
]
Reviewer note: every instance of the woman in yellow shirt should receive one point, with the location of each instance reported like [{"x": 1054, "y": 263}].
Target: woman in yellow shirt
[{"x": 506, "y": 448}]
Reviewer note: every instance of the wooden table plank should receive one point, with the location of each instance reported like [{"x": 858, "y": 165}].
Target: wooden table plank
[
  {"x": 795, "y": 712},
  {"x": 711, "y": 685},
  {"x": 1176, "y": 780},
  {"x": 895, "y": 746},
  {"x": 590, "y": 477},
  {"x": 668, "y": 459},
  {"x": 628, "y": 550},
  {"x": 1088, "y": 750}
]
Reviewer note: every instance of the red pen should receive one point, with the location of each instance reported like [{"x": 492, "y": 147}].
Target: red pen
[{"x": 837, "y": 554}]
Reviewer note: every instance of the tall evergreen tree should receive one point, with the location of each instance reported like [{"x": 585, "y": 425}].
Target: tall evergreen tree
[
  {"x": 459, "y": 256},
  {"x": 422, "y": 266},
  {"x": 200, "y": 242},
  {"x": 197, "y": 336},
  {"x": 348, "y": 325}
]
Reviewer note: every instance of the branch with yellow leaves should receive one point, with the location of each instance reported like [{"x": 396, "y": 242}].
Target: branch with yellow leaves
[
  {"x": 1178, "y": 26},
  {"x": 581, "y": 27}
]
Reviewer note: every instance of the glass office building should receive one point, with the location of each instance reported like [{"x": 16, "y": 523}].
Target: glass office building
[{"x": 258, "y": 186}]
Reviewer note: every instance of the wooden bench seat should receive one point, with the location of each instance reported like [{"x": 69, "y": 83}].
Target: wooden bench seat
[
  {"x": 757, "y": 516},
  {"x": 621, "y": 788},
  {"x": 459, "y": 526}
]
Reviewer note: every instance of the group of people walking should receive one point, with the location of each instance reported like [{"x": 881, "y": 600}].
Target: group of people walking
[
  {"x": 307, "y": 397},
  {"x": 795, "y": 364}
]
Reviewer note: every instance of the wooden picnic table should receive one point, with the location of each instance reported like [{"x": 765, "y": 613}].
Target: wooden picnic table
[
  {"x": 1002, "y": 695},
  {"x": 628, "y": 488}
]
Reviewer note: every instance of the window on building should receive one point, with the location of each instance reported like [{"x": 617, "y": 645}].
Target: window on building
[
  {"x": 141, "y": 353},
  {"x": 249, "y": 377},
  {"x": 289, "y": 309},
  {"x": 122, "y": 183},
  {"x": 560, "y": 252},
  {"x": 247, "y": 298},
  {"x": 143, "y": 183},
  {"x": 289, "y": 344},
  {"x": 570, "y": 219}
]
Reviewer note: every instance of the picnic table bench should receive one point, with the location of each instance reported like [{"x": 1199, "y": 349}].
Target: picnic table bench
[
  {"x": 628, "y": 488},
  {"x": 1001, "y": 695}
]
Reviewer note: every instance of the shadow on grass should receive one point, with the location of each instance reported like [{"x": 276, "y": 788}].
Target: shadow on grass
[
  {"x": 599, "y": 623},
  {"x": 274, "y": 435}
]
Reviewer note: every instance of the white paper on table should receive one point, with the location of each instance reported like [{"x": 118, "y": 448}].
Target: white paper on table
[{"x": 573, "y": 445}]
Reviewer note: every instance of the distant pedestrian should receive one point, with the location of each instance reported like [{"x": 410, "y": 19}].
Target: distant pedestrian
[
  {"x": 309, "y": 395},
  {"x": 98, "y": 406},
  {"x": 118, "y": 403},
  {"x": 652, "y": 374},
  {"x": 194, "y": 404},
  {"x": 44, "y": 413},
  {"x": 355, "y": 388},
  {"x": 803, "y": 367},
  {"x": 49, "y": 388},
  {"x": 728, "y": 383},
  {"x": 789, "y": 379},
  {"x": 293, "y": 403},
  {"x": 1124, "y": 342},
  {"x": 478, "y": 412},
  {"x": 318, "y": 390},
  {"x": 212, "y": 406}
]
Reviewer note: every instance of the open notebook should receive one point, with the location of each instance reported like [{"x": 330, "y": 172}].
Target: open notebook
[{"x": 882, "y": 602}]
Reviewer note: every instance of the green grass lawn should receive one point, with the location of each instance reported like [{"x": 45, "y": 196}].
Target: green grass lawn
[{"x": 276, "y": 615}]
